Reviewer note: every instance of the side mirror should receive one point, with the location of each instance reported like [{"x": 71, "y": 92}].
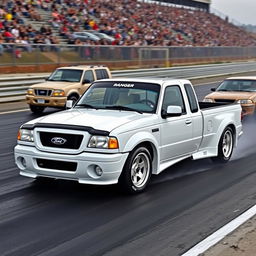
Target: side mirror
[
  {"x": 213, "y": 89},
  {"x": 172, "y": 111},
  {"x": 46, "y": 79},
  {"x": 86, "y": 81},
  {"x": 69, "y": 104}
]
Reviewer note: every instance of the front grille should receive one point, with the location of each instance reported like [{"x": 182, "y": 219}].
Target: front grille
[
  {"x": 61, "y": 140},
  {"x": 41, "y": 92},
  {"x": 56, "y": 165},
  {"x": 225, "y": 100}
]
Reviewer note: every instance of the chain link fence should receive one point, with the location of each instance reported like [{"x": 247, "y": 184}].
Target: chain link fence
[{"x": 117, "y": 56}]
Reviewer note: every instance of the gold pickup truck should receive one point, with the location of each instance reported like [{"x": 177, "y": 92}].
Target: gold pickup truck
[
  {"x": 236, "y": 90},
  {"x": 66, "y": 83}
]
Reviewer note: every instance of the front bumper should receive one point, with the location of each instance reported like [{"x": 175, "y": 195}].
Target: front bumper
[
  {"x": 49, "y": 101},
  {"x": 111, "y": 165}
]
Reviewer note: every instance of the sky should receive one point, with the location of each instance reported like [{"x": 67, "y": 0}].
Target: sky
[{"x": 242, "y": 11}]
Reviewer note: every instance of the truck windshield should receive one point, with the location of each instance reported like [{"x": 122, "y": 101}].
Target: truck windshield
[
  {"x": 238, "y": 85},
  {"x": 126, "y": 96},
  {"x": 66, "y": 75}
]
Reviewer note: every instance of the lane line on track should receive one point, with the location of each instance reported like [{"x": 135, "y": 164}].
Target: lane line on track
[
  {"x": 214, "y": 82},
  {"x": 217, "y": 236},
  {"x": 6, "y": 154},
  {"x": 14, "y": 111}
]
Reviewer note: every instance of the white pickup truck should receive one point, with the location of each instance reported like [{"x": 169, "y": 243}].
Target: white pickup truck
[{"x": 124, "y": 130}]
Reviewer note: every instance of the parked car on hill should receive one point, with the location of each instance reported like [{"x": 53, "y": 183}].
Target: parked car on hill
[
  {"x": 236, "y": 90},
  {"x": 102, "y": 35},
  {"x": 84, "y": 36}
]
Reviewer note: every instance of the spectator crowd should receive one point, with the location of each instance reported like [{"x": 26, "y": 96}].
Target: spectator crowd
[{"x": 129, "y": 22}]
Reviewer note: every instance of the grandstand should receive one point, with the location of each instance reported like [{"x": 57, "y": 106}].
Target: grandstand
[{"x": 129, "y": 22}]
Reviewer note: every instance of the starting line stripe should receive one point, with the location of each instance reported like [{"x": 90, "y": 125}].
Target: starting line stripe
[{"x": 217, "y": 236}]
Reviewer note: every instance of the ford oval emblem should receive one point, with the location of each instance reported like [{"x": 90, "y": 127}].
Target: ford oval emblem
[{"x": 58, "y": 140}]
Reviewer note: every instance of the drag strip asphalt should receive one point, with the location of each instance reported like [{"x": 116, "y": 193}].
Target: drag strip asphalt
[{"x": 181, "y": 206}]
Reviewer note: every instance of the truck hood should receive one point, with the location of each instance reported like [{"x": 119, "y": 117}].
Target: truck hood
[
  {"x": 53, "y": 85},
  {"x": 106, "y": 120},
  {"x": 232, "y": 95}
]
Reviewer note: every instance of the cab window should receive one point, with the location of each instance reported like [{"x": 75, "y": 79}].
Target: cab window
[
  {"x": 173, "y": 97},
  {"x": 88, "y": 76}
]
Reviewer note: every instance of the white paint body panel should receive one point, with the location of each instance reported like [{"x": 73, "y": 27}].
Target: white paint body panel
[{"x": 172, "y": 139}]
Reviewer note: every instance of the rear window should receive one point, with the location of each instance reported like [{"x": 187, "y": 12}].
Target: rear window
[
  {"x": 101, "y": 74},
  {"x": 191, "y": 98}
]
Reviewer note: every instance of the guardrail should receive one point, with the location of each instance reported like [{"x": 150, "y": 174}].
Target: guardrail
[{"x": 14, "y": 88}]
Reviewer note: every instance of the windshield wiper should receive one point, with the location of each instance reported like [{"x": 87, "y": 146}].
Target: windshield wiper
[
  {"x": 118, "y": 107},
  {"x": 85, "y": 105}
]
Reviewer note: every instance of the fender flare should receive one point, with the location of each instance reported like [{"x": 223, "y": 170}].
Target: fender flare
[{"x": 145, "y": 137}]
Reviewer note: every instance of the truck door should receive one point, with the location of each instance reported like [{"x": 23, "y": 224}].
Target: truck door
[{"x": 176, "y": 132}]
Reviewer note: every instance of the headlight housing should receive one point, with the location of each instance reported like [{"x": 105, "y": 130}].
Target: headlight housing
[
  {"x": 103, "y": 142},
  {"x": 30, "y": 91},
  {"x": 58, "y": 93},
  {"x": 245, "y": 101},
  {"x": 25, "y": 135},
  {"x": 208, "y": 100}
]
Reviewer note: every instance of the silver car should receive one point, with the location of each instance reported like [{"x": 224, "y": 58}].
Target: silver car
[{"x": 84, "y": 36}]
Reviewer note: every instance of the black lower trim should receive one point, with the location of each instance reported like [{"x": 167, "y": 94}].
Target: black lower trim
[{"x": 56, "y": 165}]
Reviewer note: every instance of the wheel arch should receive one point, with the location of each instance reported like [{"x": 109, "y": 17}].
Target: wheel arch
[
  {"x": 232, "y": 126},
  {"x": 148, "y": 142},
  {"x": 73, "y": 93}
]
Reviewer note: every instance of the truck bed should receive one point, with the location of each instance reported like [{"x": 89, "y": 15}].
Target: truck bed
[{"x": 204, "y": 105}]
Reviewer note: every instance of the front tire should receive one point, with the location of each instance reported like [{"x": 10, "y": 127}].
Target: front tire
[
  {"x": 225, "y": 146},
  {"x": 74, "y": 98},
  {"x": 36, "y": 109},
  {"x": 137, "y": 171}
]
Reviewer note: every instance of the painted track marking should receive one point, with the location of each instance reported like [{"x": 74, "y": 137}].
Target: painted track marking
[
  {"x": 217, "y": 236},
  {"x": 14, "y": 111}
]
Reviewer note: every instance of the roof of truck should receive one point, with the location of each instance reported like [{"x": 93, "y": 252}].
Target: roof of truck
[
  {"x": 83, "y": 67},
  {"x": 155, "y": 80}
]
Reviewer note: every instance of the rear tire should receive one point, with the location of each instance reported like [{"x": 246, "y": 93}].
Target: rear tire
[
  {"x": 225, "y": 146},
  {"x": 136, "y": 172},
  {"x": 36, "y": 109}
]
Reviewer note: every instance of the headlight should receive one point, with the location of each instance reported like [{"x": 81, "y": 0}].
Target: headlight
[
  {"x": 103, "y": 142},
  {"x": 208, "y": 100},
  {"x": 25, "y": 135},
  {"x": 58, "y": 93},
  {"x": 30, "y": 91},
  {"x": 245, "y": 101}
]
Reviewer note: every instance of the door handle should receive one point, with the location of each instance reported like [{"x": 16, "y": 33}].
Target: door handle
[{"x": 189, "y": 121}]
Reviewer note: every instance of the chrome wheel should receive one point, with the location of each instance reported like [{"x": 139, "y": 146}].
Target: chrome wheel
[
  {"x": 227, "y": 143},
  {"x": 137, "y": 171},
  {"x": 140, "y": 169}
]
